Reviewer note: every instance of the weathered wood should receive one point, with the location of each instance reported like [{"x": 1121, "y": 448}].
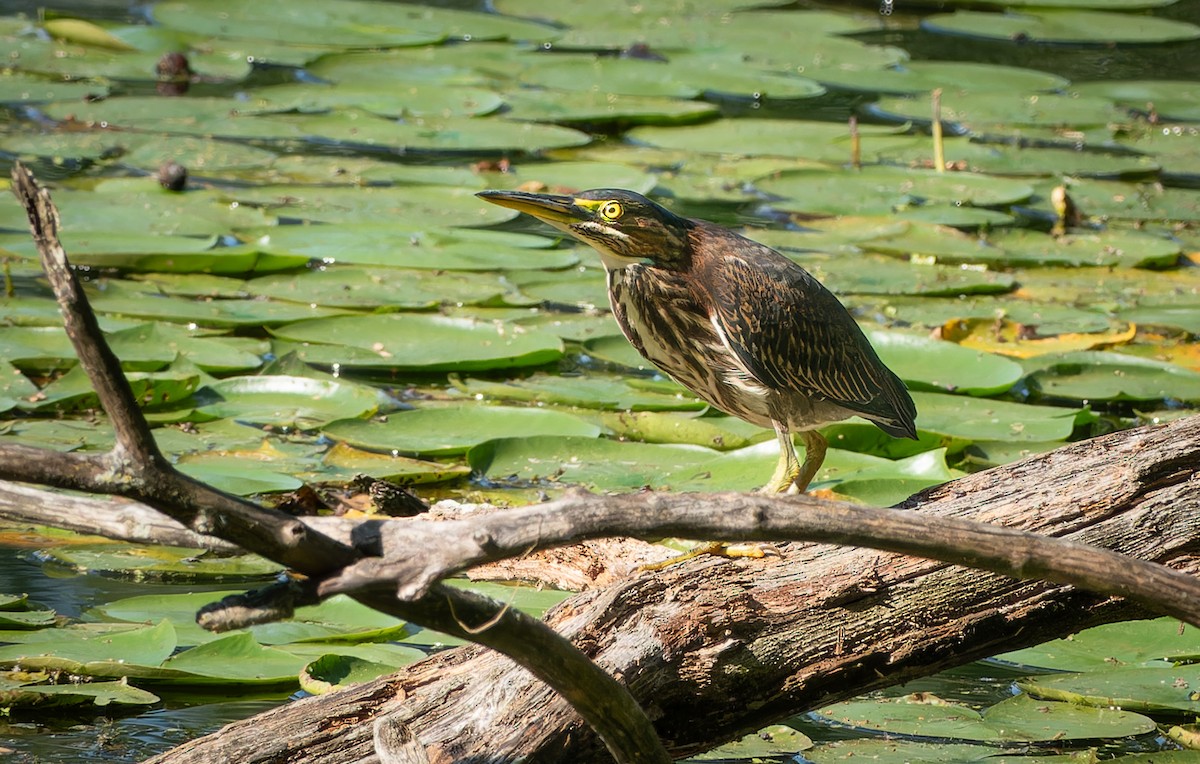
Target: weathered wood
[{"x": 715, "y": 648}]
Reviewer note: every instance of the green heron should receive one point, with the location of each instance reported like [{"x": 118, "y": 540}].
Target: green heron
[{"x": 740, "y": 325}]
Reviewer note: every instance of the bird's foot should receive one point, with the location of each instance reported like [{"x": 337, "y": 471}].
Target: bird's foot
[{"x": 754, "y": 550}]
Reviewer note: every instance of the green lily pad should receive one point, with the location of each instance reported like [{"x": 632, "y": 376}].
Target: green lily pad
[
  {"x": 61, "y": 435},
  {"x": 289, "y": 401},
  {"x": 822, "y": 141},
  {"x": 122, "y": 300},
  {"x": 75, "y": 390},
  {"x": 15, "y": 387},
  {"x": 1019, "y": 719},
  {"x": 1113, "y": 646},
  {"x": 1169, "y": 99},
  {"x": 396, "y": 469},
  {"x": 592, "y": 391},
  {"x": 960, "y": 416},
  {"x": 1126, "y": 201},
  {"x": 159, "y": 563},
  {"x": 27, "y": 619},
  {"x": 384, "y": 289},
  {"x": 233, "y": 659},
  {"x": 597, "y": 462},
  {"x": 406, "y": 246},
  {"x": 333, "y": 672},
  {"x": 620, "y": 76},
  {"x": 777, "y": 740},
  {"x": 338, "y": 619},
  {"x": 1169, "y": 690},
  {"x": 1024, "y": 160},
  {"x": 20, "y": 88},
  {"x": 868, "y": 273},
  {"x": 1122, "y": 248},
  {"x": 1108, "y": 376},
  {"x": 352, "y": 24},
  {"x": 233, "y": 474},
  {"x": 402, "y": 99},
  {"x": 890, "y": 751},
  {"x": 720, "y": 432},
  {"x": 918, "y": 77},
  {"x": 944, "y": 365},
  {"x": 880, "y": 190},
  {"x": 429, "y": 343},
  {"x": 1063, "y": 26},
  {"x": 590, "y": 107},
  {"x": 453, "y": 430},
  {"x": 88, "y": 654},
  {"x": 987, "y": 112},
  {"x": 211, "y": 353},
  {"x": 21, "y": 695}
]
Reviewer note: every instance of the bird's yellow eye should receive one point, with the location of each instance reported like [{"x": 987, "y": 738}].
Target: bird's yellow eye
[{"x": 611, "y": 211}]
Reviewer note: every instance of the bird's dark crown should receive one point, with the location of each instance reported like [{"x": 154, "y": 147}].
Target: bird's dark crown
[
  {"x": 632, "y": 227},
  {"x": 624, "y": 227}
]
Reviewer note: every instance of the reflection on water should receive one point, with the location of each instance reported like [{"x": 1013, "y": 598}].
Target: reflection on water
[
  {"x": 102, "y": 735},
  {"x": 103, "y": 738},
  {"x": 70, "y": 594}
]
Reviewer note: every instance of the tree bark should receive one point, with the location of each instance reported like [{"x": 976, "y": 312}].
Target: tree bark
[{"x": 716, "y": 648}]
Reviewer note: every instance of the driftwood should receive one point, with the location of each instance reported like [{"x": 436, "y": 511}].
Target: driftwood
[
  {"x": 716, "y": 648},
  {"x": 711, "y": 648}
]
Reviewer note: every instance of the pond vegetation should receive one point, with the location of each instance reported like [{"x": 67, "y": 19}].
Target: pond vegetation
[{"x": 326, "y": 298}]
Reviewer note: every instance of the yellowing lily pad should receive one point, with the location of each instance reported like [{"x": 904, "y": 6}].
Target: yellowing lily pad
[{"x": 1011, "y": 338}]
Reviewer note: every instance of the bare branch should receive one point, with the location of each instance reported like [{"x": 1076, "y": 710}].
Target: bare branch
[{"x": 135, "y": 468}]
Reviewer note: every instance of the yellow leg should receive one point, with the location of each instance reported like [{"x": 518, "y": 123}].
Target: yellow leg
[
  {"x": 814, "y": 455},
  {"x": 788, "y": 468}
]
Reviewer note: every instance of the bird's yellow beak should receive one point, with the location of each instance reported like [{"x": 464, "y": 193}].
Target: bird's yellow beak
[{"x": 552, "y": 208}]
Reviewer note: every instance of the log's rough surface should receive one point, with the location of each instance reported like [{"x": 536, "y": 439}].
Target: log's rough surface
[{"x": 715, "y": 648}]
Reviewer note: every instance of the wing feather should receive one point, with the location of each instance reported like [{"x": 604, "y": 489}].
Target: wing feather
[{"x": 793, "y": 335}]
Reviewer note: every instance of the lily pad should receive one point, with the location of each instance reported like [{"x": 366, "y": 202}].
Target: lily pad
[
  {"x": 86, "y": 654},
  {"x": 159, "y": 563},
  {"x": 596, "y": 108},
  {"x": 384, "y": 289},
  {"x": 776, "y": 740},
  {"x": 453, "y": 430},
  {"x": 1169, "y": 99},
  {"x": 823, "y": 141},
  {"x": 1169, "y": 690},
  {"x": 289, "y": 401},
  {"x": 22, "y": 695},
  {"x": 943, "y": 365},
  {"x": 988, "y": 112},
  {"x": 916, "y": 77},
  {"x": 1019, "y": 719},
  {"x": 408, "y": 246},
  {"x": 881, "y": 190},
  {"x": 1113, "y": 646},
  {"x": 593, "y": 391},
  {"x": 333, "y": 672},
  {"x": 1063, "y": 26},
  {"x": 429, "y": 343},
  {"x": 1107, "y": 376},
  {"x": 960, "y": 416}
]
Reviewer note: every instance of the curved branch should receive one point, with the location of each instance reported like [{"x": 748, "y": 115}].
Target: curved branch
[{"x": 135, "y": 468}]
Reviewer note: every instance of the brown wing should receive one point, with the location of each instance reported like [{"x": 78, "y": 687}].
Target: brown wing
[{"x": 792, "y": 334}]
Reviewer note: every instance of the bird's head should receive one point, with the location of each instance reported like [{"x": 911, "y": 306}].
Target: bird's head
[{"x": 624, "y": 227}]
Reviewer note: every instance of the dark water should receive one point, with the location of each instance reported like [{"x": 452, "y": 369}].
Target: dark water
[{"x": 105, "y": 735}]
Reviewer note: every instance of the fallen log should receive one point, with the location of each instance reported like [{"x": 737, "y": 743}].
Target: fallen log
[{"x": 716, "y": 648}]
